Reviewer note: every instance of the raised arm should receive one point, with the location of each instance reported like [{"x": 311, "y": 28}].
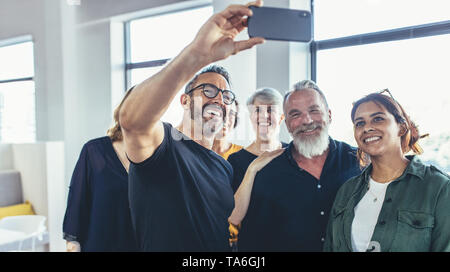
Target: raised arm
[
  {"x": 243, "y": 193},
  {"x": 141, "y": 112}
]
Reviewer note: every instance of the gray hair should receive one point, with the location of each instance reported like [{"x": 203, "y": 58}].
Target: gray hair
[
  {"x": 306, "y": 84},
  {"x": 270, "y": 96},
  {"x": 210, "y": 69}
]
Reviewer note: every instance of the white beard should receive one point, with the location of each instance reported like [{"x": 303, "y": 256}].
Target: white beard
[{"x": 312, "y": 146}]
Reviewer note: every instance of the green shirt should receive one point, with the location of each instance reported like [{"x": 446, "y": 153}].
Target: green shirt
[{"x": 415, "y": 215}]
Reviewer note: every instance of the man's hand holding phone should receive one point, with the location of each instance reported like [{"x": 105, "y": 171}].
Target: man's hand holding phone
[
  {"x": 280, "y": 24},
  {"x": 215, "y": 39}
]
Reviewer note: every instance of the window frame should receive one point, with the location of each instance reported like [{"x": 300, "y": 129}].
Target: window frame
[
  {"x": 11, "y": 42},
  {"x": 391, "y": 35},
  {"x": 395, "y": 34},
  {"x": 129, "y": 66},
  {"x": 15, "y": 41}
]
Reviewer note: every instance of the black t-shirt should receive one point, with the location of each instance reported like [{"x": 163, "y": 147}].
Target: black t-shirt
[
  {"x": 240, "y": 162},
  {"x": 180, "y": 197}
]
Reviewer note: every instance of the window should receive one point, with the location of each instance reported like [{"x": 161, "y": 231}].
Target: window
[
  {"x": 334, "y": 19},
  {"x": 407, "y": 54},
  {"x": 17, "y": 92},
  {"x": 153, "y": 41}
]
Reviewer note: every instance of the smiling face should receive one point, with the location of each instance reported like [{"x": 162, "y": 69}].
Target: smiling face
[
  {"x": 307, "y": 120},
  {"x": 266, "y": 119},
  {"x": 210, "y": 111},
  {"x": 376, "y": 130}
]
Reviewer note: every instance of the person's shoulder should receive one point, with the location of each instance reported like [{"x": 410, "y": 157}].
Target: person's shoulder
[
  {"x": 426, "y": 171},
  {"x": 278, "y": 164},
  {"x": 350, "y": 184},
  {"x": 97, "y": 143},
  {"x": 435, "y": 179},
  {"x": 343, "y": 145},
  {"x": 236, "y": 156},
  {"x": 173, "y": 136},
  {"x": 435, "y": 174},
  {"x": 346, "y": 153},
  {"x": 232, "y": 158}
]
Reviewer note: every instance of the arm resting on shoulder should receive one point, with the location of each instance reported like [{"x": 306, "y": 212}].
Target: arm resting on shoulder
[{"x": 243, "y": 193}]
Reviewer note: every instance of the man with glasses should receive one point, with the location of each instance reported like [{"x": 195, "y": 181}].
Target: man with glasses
[{"x": 179, "y": 189}]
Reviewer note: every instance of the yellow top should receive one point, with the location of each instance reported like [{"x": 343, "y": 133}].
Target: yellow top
[{"x": 233, "y": 149}]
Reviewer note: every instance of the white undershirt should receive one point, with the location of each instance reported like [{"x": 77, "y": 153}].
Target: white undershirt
[{"x": 366, "y": 215}]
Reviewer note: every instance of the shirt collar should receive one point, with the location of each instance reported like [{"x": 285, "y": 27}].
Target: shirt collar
[
  {"x": 290, "y": 149},
  {"x": 415, "y": 167}
]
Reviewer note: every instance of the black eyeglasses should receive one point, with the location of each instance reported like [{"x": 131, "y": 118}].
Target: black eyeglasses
[{"x": 211, "y": 91}]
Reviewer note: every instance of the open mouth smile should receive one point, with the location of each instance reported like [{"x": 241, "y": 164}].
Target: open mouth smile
[
  {"x": 308, "y": 131},
  {"x": 214, "y": 110},
  {"x": 372, "y": 139}
]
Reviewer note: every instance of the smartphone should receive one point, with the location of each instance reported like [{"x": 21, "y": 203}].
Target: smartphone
[{"x": 280, "y": 24}]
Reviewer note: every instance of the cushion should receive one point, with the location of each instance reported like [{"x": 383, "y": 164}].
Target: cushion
[
  {"x": 10, "y": 188},
  {"x": 19, "y": 209}
]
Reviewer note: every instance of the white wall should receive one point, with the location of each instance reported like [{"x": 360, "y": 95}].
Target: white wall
[{"x": 6, "y": 157}]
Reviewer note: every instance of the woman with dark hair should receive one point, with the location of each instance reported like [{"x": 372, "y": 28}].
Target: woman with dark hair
[
  {"x": 98, "y": 215},
  {"x": 397, "y": 203}
]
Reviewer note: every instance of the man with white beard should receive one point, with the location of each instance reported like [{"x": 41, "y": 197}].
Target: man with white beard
[{"x": 292, "y": 195}]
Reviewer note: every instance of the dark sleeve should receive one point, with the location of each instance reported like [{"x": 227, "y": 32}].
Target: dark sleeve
[
  {"x": 440, "y": 238},
  {"x": 237, "y": 172},
  {"x": 77, "y": 212},
  {"x": 171, "y": 134}
]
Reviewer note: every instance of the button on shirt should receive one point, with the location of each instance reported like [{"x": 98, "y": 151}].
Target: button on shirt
[{"x": 289, "y": 207}]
